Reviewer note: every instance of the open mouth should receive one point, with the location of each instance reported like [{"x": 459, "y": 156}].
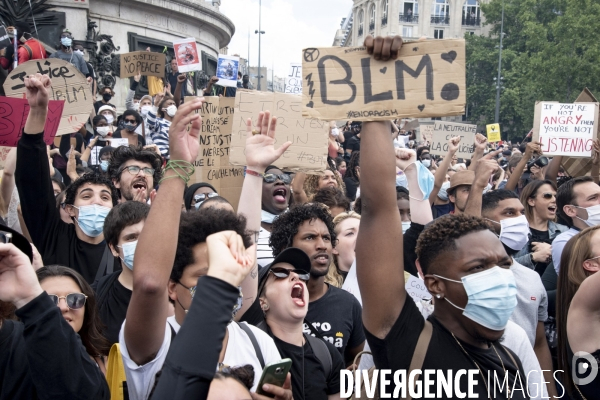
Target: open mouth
[
  {"x": 140, "y": 185},
  {"x": 322, "y": 258},
  {"x": 279, "y": 195},
  {"x": 552, "y": 209},
  {"x": 298, "y": 294}
]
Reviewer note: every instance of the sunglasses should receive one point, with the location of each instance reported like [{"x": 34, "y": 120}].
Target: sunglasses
[
  {"x": 199, "y": 198},
  {"x": 282, "y": 273},
  {"x": 548, "y": 196},
  {"x": 130, "y": 122},
  {"x": 134, "y": 170},
  {"x": 75, "y": 301},
  {"x": 270, "y": 178}
]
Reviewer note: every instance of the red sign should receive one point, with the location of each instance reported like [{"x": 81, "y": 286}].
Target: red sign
[{"x": 13, "y": 115}]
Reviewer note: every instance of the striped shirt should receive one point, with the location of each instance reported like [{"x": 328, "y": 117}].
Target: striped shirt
[
  {"x": 264, "y": 253},
  {"x": 159, "y": 131}
]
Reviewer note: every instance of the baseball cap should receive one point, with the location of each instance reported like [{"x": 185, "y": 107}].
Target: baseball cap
[
  {"x": 461, "y": 178},
  {"x": 18, "y": 240},
  {"x": 295, "y": 257}
]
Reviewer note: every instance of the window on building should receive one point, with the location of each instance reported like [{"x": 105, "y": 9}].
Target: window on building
[
  {"x": 372, "y": 17},
  {"x": 361, "y": 19},
  {"x": 438, "y": 33},
  {"x": 471, "y": 13},
  {"x": 410, "y": 11},
  {"x": 407, "y": 31},
  {"x": 440, "y": 12},
  {"x": 384, "y": 12}
]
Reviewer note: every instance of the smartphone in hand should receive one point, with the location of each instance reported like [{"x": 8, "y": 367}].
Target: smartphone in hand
[{"x": 274, "y": 374}]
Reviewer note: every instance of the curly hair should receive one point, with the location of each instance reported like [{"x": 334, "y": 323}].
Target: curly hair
[
  {"x": 161, "y": 113},
  {"x": 123, "y": 154},
  {"x": 352, "y": 165},
  {"x": 332, "y": 197},
  {"x": 311, "y": 184},
  {"x": 441, "y": 236},
  {"x": 94, "y": 179},
  {"x": 196, "y": 226},
  {"x": 91, "y": 331},
  {"x": 285, "y": 227}
]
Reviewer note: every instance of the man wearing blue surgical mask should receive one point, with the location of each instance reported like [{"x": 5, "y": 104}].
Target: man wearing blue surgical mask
[
  {"x": 80, "y": 245},
  {"x": 65, "y": 52},
  {"x": 122, "y": 228}
]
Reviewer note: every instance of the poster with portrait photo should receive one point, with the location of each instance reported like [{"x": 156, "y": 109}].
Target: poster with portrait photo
[
  {"x": 187, "y": 55},
  {"x": 227, "y": 70}
]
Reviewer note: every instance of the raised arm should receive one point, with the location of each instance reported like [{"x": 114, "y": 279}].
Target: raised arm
[
  {"x": 532, "y": 148},
  {"x": 379, "y": 256},
  {"x": 484, "y": 169},
  {"x": 85, "y": 156},
  {"x": 131, "y": 92},
  {"x": 554, "y": 167},
  {"x": 420, "y": 210},
  {"x": 440, "y": 172},
  {"x": 7, "y": 184},
  {"x": 298, "y": 188},
  {"x": 181, "y": 79},
  {"x": 155, "y": 252},
  {"x": 480, "y": 146},
  {"x": 260, "y": 153}
]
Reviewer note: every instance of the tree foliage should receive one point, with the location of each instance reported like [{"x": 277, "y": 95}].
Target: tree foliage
[{"x": 551, "y": 51}]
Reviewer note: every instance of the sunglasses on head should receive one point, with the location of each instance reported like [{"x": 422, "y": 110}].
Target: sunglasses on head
[
  {"x": 270, "y": 178},
  {"x": 75, "y": 301}
]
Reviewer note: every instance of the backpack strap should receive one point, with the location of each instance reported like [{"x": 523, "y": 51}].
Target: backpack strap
[
  {"x": 252, "y": 338},
  {"x": 420, "y": 351},
  {"x": 107, "y": 264},
  {"x": 322, "y": 352},
  {"x": 29, "y": 50},
  {"x": 313, "y": 330}
]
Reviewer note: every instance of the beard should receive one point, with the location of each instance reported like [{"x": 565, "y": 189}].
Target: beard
[{"x": 319, "y": 272}]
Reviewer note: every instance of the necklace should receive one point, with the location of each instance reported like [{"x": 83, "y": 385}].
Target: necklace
[{"x": 504, "y": 369}]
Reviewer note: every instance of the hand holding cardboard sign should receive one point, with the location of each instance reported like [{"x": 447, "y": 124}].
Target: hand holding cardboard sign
[
  {"x": 383, "y": 48},
  {"x": 532, "y": 148},
  {"x": 137, "y": 76}
]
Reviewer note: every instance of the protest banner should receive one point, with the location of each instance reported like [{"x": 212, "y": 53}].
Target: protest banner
[
  {"x": 212, "y": 164},
  {"x": 293, "y": 80},
  {"x": 308, "y": 151},
  {"x": 427, "y": 80},
  {"x": 426, "y": 131},
  {"x": 143, "y": 62},
  {"x": 443, "y": 131},
  {"x": 493, "y": 133},
  {"x": 187, "y": 55},
  {"x": 14, "y": 113},
  {"x": 68, "y": 84},
  {"x": 565, "y": 129},
  {"x": 227, "y": 70}
]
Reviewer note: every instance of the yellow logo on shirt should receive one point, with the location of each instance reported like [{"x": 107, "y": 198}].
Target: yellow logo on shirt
[{"x": 339, "y": 334}]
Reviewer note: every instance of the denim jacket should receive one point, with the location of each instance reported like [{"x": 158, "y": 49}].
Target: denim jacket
[{"x": 523, "y": 257}]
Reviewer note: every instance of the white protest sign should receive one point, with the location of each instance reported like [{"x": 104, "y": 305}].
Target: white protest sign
[
  {"x": 293, "y": 80},
  {"x": 187, "y": 55},
  {"x": 566, "y": 129},
  {"x": 426, "y": 131},
  {"x": 119, "y": 142},
  {"x": 227, "y": 70},
  {"x": 415, "y": 287},
  {"x": 443, "y": 131}
]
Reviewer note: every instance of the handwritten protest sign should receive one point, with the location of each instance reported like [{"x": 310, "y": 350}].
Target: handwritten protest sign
[
  {"x": 14, "y": 113},
  {"x": 443, "y": 131},
  {"x": 212, "y": 164},
  {"x": 426, "y": 132},
  {"x": 143, "y": 62},
  {"x": 427, "y": 80},
  {"x": 493, "y": 133},
  {"x": 68, "y": 84},
  {"x": 187, "y": 55},
  {"x": 308, "y": 151},
  {"x": 293, "y": 80},
  {"x": 227, "y": 70},
  {"x": 566, "y": 129}
]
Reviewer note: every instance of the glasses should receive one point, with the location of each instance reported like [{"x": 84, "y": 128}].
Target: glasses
[
  {"x": 270, "y": 178},
  {"x": 283, "y": 273},
  {"x": 191, "y": 289},
  {"x": 199, "y": 198},
  {"x": 75, "y": 301},
  {"x": 130, "y": 122},
  {"x": 548, "y": 196},
  {"x": 134, "y": 170}
]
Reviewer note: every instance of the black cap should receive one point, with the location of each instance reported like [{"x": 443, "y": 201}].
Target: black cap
[
  {"x": 19, "y": 241},
  {"x": 293, "y": 256}
]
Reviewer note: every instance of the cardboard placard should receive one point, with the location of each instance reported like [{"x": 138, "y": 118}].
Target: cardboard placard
[
  {"x": 68, "y": 84},
  {"x": 308, "y": 151},
  {"x": 293, "y": 80},
  {"x": 443, "y": 131},
  {"x": 143, "y": 62},
  {"x": 227, "y": 70},
  {"x": 426, "y": 131},
  {"x": 14, "y": 113},
  {"x": 493, "y": 133},
  {"x": 212, "y": 164},
  {"x": 187, "y": 55},
  {"x": 566, "y": 129},
  {"x": 427, "y": 80}
]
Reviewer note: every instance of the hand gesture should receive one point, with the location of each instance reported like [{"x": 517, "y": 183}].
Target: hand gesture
[
  {"x": 213, "y": 80},
  {"x": 37, "y": 261},
  {"x": 228, "y": 259},
  {"x": 480, "y": 142},
  {"x": 596, "y": 152},
  {"x": 383, "y": 48},
  {"x": 89, "y": 80},
  {"x": 140, "y": 195},
  {"x": 137, "y": 76},
  {"x": 184, "y": 145},
  {"x": 532, "y": 148},
  {"x": 18, "y": 281},
  {"x": 541, "y": 252},
  {"x": 453, "y": 145},
  {"x": 181, "y": 78},
  {"x": 36, "y": 90},
  {"x": 94, "y": 141},
  {"x": 405, "y": 157},
  {"x": 154, "y": 148},
  {"x": 260, "y": 144},
  {"x": 71, "y": 163},
  {"x": 158, "y": 97},
  {"x": 148, "y": 49},
  {"x": 281, "y": 393},
  {"x": 486, "y": 166}
]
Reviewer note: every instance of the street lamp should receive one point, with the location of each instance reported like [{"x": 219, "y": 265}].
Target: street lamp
[
  {"x": 260, "y": 32},
  {"x": 499, "y": 79}
]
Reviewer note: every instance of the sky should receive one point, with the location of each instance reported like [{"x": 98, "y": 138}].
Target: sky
[{"x": 289, "y": 25}]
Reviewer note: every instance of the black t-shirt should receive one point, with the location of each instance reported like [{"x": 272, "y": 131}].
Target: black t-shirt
[
  {"x": 444, "y": 353},
  {"x": 353, "y": 144},
  {"x": 351, "y": 187},
  {"x": 337, "y": 316},
  {"x": 539, "y": 237},
  {"x": 141, "y": 140},
  {"x": 112, "y": 299},
  {"x": 308, "y": 374},
  {"x": 347, "y": 136}
]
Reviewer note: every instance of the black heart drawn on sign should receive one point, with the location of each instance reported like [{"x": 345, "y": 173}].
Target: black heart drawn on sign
[
  {"x": 421, "y": 107},
  {"x": 415, "y": 48},
  {"x": 449, "y": 56},
  {"x": 383, "y": 70},
  {"x": 310, "y": 104}
]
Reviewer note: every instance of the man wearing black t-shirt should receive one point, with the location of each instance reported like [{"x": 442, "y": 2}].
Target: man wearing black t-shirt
[
  {"x": 122, "y": 227},
  {"x": 458, "y": 255}
]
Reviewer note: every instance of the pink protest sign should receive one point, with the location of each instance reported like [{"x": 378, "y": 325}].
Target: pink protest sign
[{"x": 13, "y": 115}]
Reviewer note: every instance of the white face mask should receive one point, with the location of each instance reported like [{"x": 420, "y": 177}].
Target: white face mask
[
  {"x": 593, "y": 215},
  {"x": 335, "y": 132},
  {"x": 171, "y": 110},
  {"x": 102, "y": 130},
  {"x": 144, "y": 110},
  {"x": 109, "y": 118},
  {"x": 426, "y": 163},
  {"x": 514, "y": 232}
]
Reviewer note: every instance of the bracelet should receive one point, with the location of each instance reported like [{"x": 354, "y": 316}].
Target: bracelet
[
  {"x": 186, "y": 168},
  {"x": 254, "y": 173}
]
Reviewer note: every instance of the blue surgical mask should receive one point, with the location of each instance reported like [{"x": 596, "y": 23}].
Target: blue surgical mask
[
  {"x": 66, "y": 41},
  {"x": 443, "y": 193},
  {"x": 128, "y": 252},
  {"x": 426, "y": 180},
  {"x": 402, "y": 181},
  {"x": 492, "y": 297},
  {"x": 104, "y": 165},
  {"x": 91, "y": 219}
]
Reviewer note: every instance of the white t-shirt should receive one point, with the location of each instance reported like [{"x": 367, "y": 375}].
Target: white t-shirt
[
  {"x": 558, "y": 244},
  {"x": 264, "y": 252},
  {"x": 140, "y": 378}
]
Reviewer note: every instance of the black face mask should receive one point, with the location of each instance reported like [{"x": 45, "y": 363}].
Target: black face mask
[{"x": 106, "y": 97}]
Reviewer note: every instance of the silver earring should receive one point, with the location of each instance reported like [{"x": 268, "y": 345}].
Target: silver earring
[{"x": 437, "y": 296}]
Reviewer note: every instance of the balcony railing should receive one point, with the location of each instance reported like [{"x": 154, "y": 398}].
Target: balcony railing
[
  {"x": 384, "y": 21},
  {"x": 360, "y": 31},
  {"x": 371, "y": 26},
  {"x": 410, "y": 18},
  {"x": 471, "y": 21},
  {"x": 440, "y": 20}
]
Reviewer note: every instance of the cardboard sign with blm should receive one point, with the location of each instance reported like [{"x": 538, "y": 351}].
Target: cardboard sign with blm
[
  {"x": 212, "y": 164},
  {"x": 444, "y": 131},
  {"x": 143, "y": 62},
  {"x": 14, "y": 113},
  {"x": 308, "y": 151},
  {"x": 427, "y": 80},
  {"x": 68, "y": 84}
]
